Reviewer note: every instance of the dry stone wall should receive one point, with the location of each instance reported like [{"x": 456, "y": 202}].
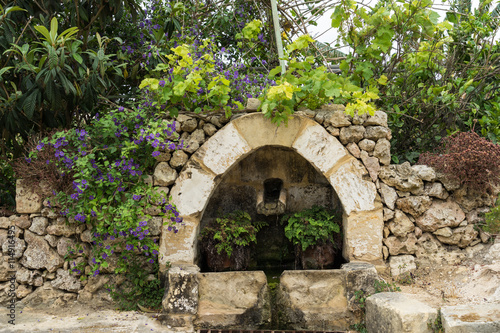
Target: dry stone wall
[{"x": 424, "y": 214}]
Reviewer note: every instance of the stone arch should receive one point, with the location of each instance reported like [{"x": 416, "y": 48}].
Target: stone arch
[{"x": 362, "y": 218}]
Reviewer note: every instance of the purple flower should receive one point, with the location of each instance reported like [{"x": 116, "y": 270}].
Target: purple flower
[
  {"x": 121, "y": 108},
  {"x": 104, "y": 255},
  {"x": 136, "y": 197},
  {"x": 96, "y": 272},
  {"x": 155, "y": 153},
  {"x": 143, "y": 223},
  {"x": 129, "y": 247},
  {"x": 80, "y": 217},
  {"x": 151, "y": 261},
  {"x": 162, "y": 83}
]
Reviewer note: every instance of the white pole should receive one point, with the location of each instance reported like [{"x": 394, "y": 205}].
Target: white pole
[{"x": 279, "y": 42}]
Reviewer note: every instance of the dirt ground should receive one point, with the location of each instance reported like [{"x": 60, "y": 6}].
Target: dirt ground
[{"x": 475, "y": 280}]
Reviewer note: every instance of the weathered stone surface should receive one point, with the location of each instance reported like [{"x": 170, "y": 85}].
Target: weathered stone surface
[
  {"x": 39, "y": 255},
  {"x": 401, "y": 225},
  {"x": 378, "y": 119},
  {"x": 383, "y": 151},
  {"x": 64, "y": 245},
  {"x": 163, "y": 157},
  {"x": 449, "y": 183},
  {"x": 338, "y": 119},
  {"x": 443, "y": 232},
  {"x": 359, "y": 276},
  {"x": 22, "y": 291},
  {"x": 39, "y": 224},
  {"x": 233, "y": 300},
  {"x": 315, "y": 300},
  {"x": 154, "y": 225},
  {"x": 52, "y": 240},
  {"x": 7, "y": 270},
  {"x": 388, "y": 214},
  {"x": 425, "y": 172},
  {"x": 66, "y": 281},
  {"x": 402, "y": 264},
  {"x": 164, "y": 175},
  {"x": 352, "y": 134},
  {"x": 367, "y": 145},
  {"x": 436, "y": 190},
  {"x": 209, "y": 129},
  {"x": 65, "y": 230},
  {"x": 461, "y": 236},
  {"x": 377, "y": 132},
  {"x": 13, "y": 247},
  {"x": 49, "y": 213},
  {"x": 45, "y": 295},
  {"x": 194, "y": 141},
  {"x": 401, "y": 176},
  {"x": 4, "y": 222},
  {"x": 440, "y": 214},
  {"x": 358, "y": 119},
  {"x": 477, "y": 318},
  {"x": 333, "y": 130},
  {"x": 180, "y": 247},
  {"x": 22, "y": 221},
  {"x": 398, "y": 313},
  {"x": 397, "y": 245},
  {"x": 26, "y": 276},
  {"x": 355, "y": 193},
  {"x": 179, "y": 159},
  {"x": 182, "y": 294},
  {"x": 363, "y": 233},
  {"x": 371, "y": 164},
  {"x": 318, "y": 147},
  {"x": 253, "y": 104},
  {"x": 470, "y": 199},
  {"x": 414, "y": 205},
  {"x": 27, "y": 201},
  {"x": 188, "y": 124},
  {"x": 389, "y": 195},
  {"x": 354, "y": 149}
]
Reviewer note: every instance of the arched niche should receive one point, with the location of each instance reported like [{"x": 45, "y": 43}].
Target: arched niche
[{"x": 362, "y": 211}]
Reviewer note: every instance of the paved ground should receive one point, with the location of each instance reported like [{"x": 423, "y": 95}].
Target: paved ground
[{"x": 80, "y": 321}]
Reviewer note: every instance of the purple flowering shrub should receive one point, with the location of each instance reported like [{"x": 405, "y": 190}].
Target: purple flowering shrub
[{"x": 108, "y": 161}]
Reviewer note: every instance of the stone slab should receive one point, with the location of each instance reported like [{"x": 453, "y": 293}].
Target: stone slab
[
  {"x": 481, "y": 318},
  {"x": 398, "y": 313},
  {"x": 363, "y": 233}
]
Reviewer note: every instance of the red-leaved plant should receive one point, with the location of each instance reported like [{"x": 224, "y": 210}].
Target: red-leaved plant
[{"x": 467, "y": 158}]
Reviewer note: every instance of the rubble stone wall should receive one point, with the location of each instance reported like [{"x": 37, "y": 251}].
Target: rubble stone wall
[{"x": 424, "y": 214}]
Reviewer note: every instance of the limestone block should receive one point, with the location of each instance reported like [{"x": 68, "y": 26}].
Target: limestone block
[
  {"x": 4, "y": 222},
  {"x": 194, "y": 141},
  {"x": 182, "y": 294},
  {"x": 209, "y": 129},
  {"x": 358, "y": 119},
  {"x": 352, "y": 134},
  {"x": 180, "y": 247},
  {"x": 22, "y": 221},
  {"x": 354, "y": 149},
  {"x": 49, "y": 213},
  {"x": 223, "y": 149},
  {"x": 401, "y": 245},
  {"x": 164, "y": 175},
  {"x": 39, "y": 255},
  {"x": 314, "y": 300},
  {"x": 52, "y": 240},
  {"x": 27, "y": 201},
  {"x": 7, "y": 270},
  {"x": 13, "y": 247},
  {"x": 39, "y": 224},
  {"x": 401, "y": 176},
  {"x": 192, "y": 189},
  {"x": 22, "y": 291},
  {"x": 389, "y": 195},
  {"x": 378, "y": 119},
  {"x": 402, "y": 264},
  {"x": 367, "y": 145},
  {"x": 449, "y": 183},
  {"x": 233, "y": 300},
  {"x": 155, "y": 225},
  {"x": 359, "y": 276},
  {"x": 461, "y": 236},
  {"x": 478, "y": 318},
  {"x": 333, "y": 130},
  {"x": 337, "y": 119},
  {"x": 163, "y": 157},
  {"x": 398, "y": 313},
  {"x": 179, "y": 159},
  {"x": 377, "y": 132},
  {"x": 187, "y": 123},
  {"x": 26, "y": 276},
  {"x": 388, "y": 214},
  {"x": 371, "y": 164},
  {"x": 64, "y": 245},
  {"x": 382, "y": 151},
  {"x": 318, "y": 147},
  {"x": 45, "y": 294},
  {"x": 414, "y": 205},
  {"x": 253, "y": 104},
  {"x": 443, "y": 232},
  {"x": 363, "y": 236},
  {"x": 355, "y": 193},
  {"x": 436, "y": 190},
  {"x": 425, "y": 172},
  {"x": 66, "y": 281},
  {"x": 65, "y": 230},
  {"x": 439, "y": 215},
  {"x": 401, "y": 225}
]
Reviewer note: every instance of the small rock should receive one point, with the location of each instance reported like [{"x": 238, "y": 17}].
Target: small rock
[
  {"x": 414, "y": 205},
  {"x": 367, "y": 145},
  {"x": 425, "y": 172},
  {"x": 401, "y": 225},
  {"x": 371, "y": 164},
  {"x": 351, "y": 134},
  {"x": 338, "y": 119},
  {"x": 389, "y": 195},
  {"x": 388, "y": 214},
  {"x": 436, "y": 190},
  {"x": 402, "y": 264},
  {"x": 39, "y": 225},
  {"x": 377, "y": 132},
  {"x": 253, "y": 104},
  {"x": 354, "y": 149},
  {"x": 378, "y": 119},
  {"x": 179, "y": 159},
  {"x": 209, "y": 129},
  {"x": 164, "y": 175},
  {"x": 443, "y": 232},
  {"x": 383, "y": 151}
]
